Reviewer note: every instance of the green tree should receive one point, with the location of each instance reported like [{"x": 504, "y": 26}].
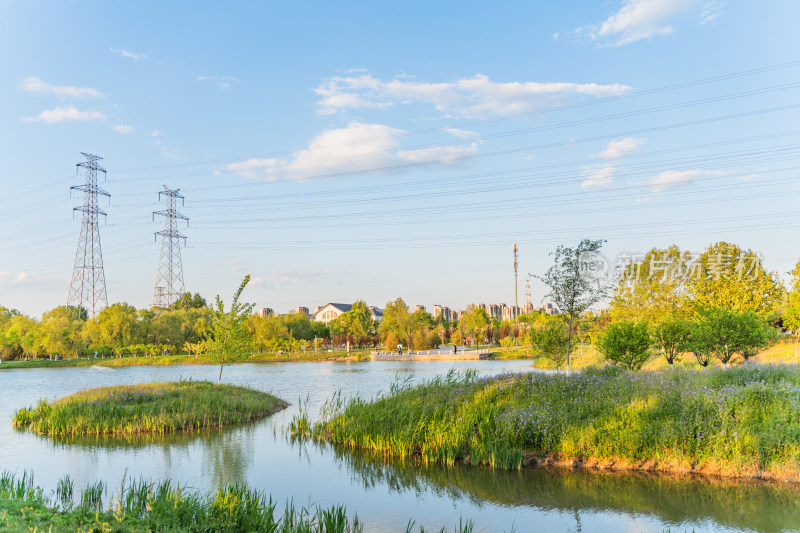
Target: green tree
[
  {"x": 754, "y": 335},
  {"x": 725, "y": 276},
  {"x": 399, "y": 321},
  {"x": 672, "y": 337},
  {"x": 117, "y": 325},
  {"x": 187, "y": 300},
  {"x": 230, "y": 340},
  {"x": 354, "y": 324},
  {"x": 626, "y": 343},
  {"x": 60, "y": 330},
  {"x": 728, "y": 333},
  {"x": 791, "y": 317},
  {"x": 701, "y": 342},
  {"x": 474, "y": 322},
  {"x": 651, "y": 288},
  {"x": 548, "y": 337},
  {"x": 573, "y": 283}
]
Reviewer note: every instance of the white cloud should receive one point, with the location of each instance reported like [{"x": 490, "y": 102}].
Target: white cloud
[
  {"x": 356, "y": 148},
  {"x": 672, "y": 178},
  {"x": 24, "y": 278},
  {"x": 123, "y": 128},
  {"x": 223, "y": 82},
  {"x": 129, "y": 55},
  {"x": 598, "y": 178},
  {"x": 616, "y": 149},
  {"x": 294, "y": 277},
  {"x": 62, "y": 114},
  {"x": 442, "y": 154},
  {"x": 35, "y": 85},
  {"x": 475, "y": 96},
  {"x": 155, "y": 133},
  {"x": 462, "y": 134},
  {"x": 642, "y": 19}
]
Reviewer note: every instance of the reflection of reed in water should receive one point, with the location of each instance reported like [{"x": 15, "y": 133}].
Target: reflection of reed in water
[
  {"x": 755, "y": 506},
  {"x": 132, "y": 442},
  {"x": 225, "y": 454}
]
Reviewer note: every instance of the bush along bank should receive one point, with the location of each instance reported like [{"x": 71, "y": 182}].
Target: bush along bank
[
  {"x": 147, "y": 408},
  {"x": 738, "y": 422}
]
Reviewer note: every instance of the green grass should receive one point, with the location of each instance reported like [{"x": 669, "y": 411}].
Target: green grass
[
  {"x": 147, "y": 408},
  {"x": 183, "y": 359},
  {"x": 141, "y": 506},
  {"x": 741, "y": 422}
]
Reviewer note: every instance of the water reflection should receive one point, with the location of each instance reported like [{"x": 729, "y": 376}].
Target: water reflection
[
  {"x": 227, "y": 452},
  {"x": 755, "y": 506}
]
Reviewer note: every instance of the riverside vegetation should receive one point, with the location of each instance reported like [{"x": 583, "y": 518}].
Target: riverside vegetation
[
  {"x": 738, "y": 422},
  {"x": 147, "y": 408},
  {"x": 141, "y": 506}
]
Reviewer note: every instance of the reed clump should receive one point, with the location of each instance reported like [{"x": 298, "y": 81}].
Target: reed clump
[
  {"x": 147, "y": 408},
  {"x": 142, "y": 506},
  {"x": 739, "y": 422}
]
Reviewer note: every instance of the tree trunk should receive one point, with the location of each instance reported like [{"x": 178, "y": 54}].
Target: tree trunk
[
  {"x": 221, "y": 365},
  {"x": 569, "y": 341}
]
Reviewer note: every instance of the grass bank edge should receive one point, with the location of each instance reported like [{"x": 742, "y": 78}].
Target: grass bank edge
[
  {"x": 741, "y": 422},
  {"x": 147, "y": 408}
]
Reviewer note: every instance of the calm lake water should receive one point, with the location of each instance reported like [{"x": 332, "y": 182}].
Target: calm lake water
[{"x": 384, "y": 495}]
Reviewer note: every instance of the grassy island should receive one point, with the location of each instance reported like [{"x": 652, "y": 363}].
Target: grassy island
[
  {"x": 739, "y": 422},
  {"x": 147, "y": 408}
]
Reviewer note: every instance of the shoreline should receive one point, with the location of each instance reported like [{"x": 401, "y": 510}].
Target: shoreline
[{"x": 665, "y": 468}]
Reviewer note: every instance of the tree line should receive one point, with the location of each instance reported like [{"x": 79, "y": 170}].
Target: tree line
[{"x": 721, "y": 304}]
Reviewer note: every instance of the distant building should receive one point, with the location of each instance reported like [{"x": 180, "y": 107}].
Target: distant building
[
  {"x": 527, "y": 308},
  {"x": 510, "y": 313},
  {"x": 443, "y": 311},
  {"x": 303, "y": 310},
  {"x": 419, "y": 308},
  {"x": 548, "y": 309},
  {"x": 495, "y": 311},
  {"x": 265, "y": 311},
  {"x": 332, "y": 311}
]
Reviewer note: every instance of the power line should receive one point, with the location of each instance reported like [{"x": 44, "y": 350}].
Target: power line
[{"x": 466, "y": 124}]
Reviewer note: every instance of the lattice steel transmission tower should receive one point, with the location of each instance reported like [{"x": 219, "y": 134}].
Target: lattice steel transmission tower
[
  {"x": 528, "y": 304},
  {"x": 516, "y": 292},
  {"x": 88, "y": 286},
  {"x": 169, "y": 283}
]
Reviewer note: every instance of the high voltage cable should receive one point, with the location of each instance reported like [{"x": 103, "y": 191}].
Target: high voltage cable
[
  {"x": 484, "y": 203},
  {"x": 516, "y": 182},
  {"x": 468, "y": 157},
  {"x": 467, "y": 178},
  {"x": 536, "y": 129},
  {"x": 492, "y": 120}
]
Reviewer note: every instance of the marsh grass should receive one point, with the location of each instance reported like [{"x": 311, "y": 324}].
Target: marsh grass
[
  {"x": 741, "y": 422},
  {"x": 148, "y": 408},
  {"x": 143, "y": 506}
]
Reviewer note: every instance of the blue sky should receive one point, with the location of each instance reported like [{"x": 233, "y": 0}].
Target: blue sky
[{"x": 346, "y": 150}]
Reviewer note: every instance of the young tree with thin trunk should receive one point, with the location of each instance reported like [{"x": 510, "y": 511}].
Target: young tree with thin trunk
[
  {"x": 575, "y": 283},
  {"x": 671, "y": 336},
  {"x": 230, "y": 339}
]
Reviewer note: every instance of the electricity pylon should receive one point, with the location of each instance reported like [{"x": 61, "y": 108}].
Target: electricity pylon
[
  {"x": 516, "y": 298},
  {"x": 87, "y": 289},
  {"x": 169, "y": 282}
]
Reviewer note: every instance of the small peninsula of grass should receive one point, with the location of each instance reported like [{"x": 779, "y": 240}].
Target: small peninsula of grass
[
  {"x": 739, "y": 422},
  {"x": 147, "y": 408}
]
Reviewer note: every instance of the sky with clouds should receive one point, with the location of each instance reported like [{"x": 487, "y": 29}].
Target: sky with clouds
[{"x": 374, "y": 150}]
